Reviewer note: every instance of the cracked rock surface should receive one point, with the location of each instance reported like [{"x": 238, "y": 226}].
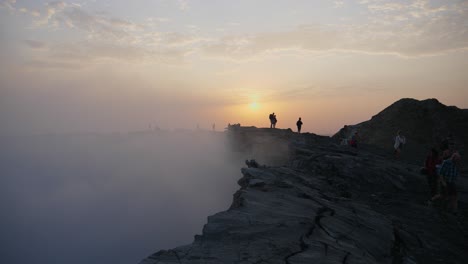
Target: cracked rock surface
[{"x": 328, "y": 204}]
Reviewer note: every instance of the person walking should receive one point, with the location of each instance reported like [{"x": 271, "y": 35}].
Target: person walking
[{"x": 299, "y": 125}]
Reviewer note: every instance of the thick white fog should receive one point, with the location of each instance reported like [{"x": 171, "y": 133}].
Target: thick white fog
[{"x": 109, "y": 198}]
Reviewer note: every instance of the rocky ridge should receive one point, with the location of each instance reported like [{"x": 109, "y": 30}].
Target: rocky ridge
[
  {"x": 424, "y": 123},
  {"x": 325, "y": 203}
]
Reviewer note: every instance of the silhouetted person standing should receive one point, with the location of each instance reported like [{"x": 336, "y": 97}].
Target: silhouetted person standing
[
  {"x": 299, "y": 125},
  {"x": 272, "y": 120}
]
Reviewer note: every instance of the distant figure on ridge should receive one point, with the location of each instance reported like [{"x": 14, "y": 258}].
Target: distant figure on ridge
[
  {"x": 354, "y": 140},
  {"x": 213, "y": 126},
  {"x": 399, "y": 142},
  {"x": 299, "y": 125},
  {"x": 272, "y": 120}
]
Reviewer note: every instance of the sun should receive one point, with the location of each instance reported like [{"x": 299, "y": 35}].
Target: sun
[{"x": 254, "y": 106}]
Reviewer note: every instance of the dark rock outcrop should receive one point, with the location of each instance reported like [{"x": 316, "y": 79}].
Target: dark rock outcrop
[
  {"x": 425, "y": 124},
  {"x": 327, "y": 204}
]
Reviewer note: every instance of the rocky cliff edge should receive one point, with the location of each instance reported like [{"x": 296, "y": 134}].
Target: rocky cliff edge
[{"x": 328, "y": 204}]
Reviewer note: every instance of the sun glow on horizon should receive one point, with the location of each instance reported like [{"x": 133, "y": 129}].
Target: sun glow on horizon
[{"x": 254, "y": 106}]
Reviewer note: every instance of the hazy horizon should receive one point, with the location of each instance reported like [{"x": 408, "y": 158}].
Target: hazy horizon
[{"x": 112, "y": 66}]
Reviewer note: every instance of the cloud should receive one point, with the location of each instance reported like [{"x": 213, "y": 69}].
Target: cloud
[
  {"x": 77, "y": 55},
  {"x": 95, "y": 26},
  {"x": 60, "y": 15},
  {"x": 404, "y": 29},
  {"x": 50, "y": 64},
  {"x": 308, "y": 37},
  {"x": 175, "y": 39},
  {"x": 104, "y": 37},
  {"x": 9, "y": 4},
  {"x": 48, "y": 14},
  {"x": 34, "y": 44},
  {"x": 183, "y": 5},
  {"x": 338, "y": 4}
]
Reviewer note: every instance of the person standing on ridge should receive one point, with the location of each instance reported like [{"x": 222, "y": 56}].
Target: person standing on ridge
[
  {"x": 399, "y": 142},
  {"x": 271, "y": 119},
  {"x": 299, "y": 125},
  {"x": 354, "y": 140},
  {"x": 274, "y": 120}
]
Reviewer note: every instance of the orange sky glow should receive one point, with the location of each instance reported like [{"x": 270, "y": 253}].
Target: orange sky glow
[{"x": 101, "y": 66}]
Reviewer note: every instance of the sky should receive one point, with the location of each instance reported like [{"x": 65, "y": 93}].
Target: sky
[{"x": 117, "y": 66}]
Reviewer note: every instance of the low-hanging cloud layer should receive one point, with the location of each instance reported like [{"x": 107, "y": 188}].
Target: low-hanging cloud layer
[{"x": 109, "y": 198}]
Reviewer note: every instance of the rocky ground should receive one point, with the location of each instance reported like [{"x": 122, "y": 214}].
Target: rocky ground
[{"x": 321, "y": 202}]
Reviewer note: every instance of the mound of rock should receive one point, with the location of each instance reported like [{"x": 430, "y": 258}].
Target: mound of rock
[{"x": 425, "y": 124}]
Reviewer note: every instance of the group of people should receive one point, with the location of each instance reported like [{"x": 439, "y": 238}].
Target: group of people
[
  {"x": 352, "y": 141},
  {"x": 442, "y": 170},
  {"x": 400, "y": 140},
  {"x": 273, "y": 122}
]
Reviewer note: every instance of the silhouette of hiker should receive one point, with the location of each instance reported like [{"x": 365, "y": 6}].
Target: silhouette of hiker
[
  {"x": 272, "y": 118},
  {"x": 299, "y": 125}
]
